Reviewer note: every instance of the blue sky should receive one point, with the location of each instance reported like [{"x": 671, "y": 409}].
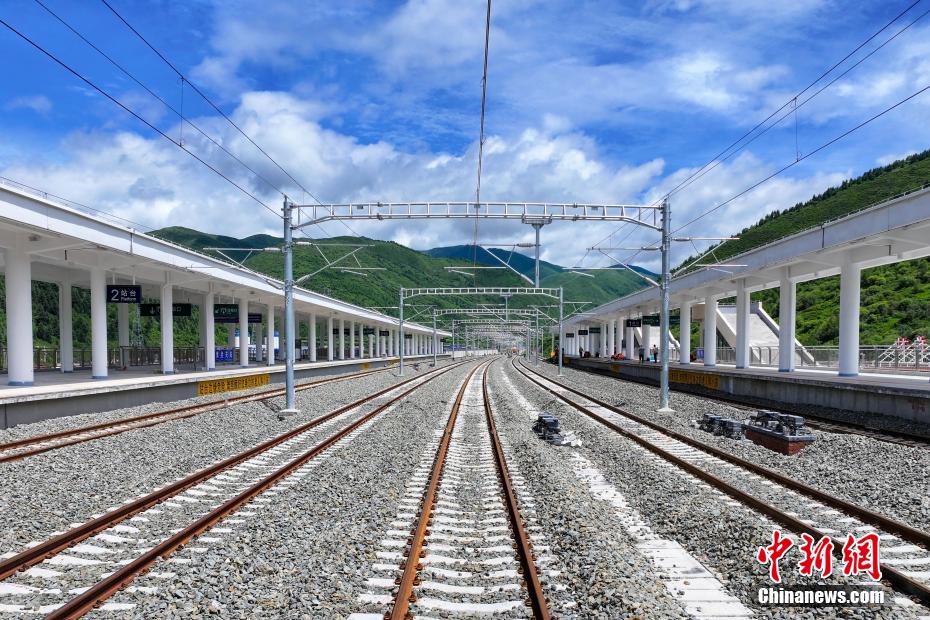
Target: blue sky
[{"x": 587, "y": 101}]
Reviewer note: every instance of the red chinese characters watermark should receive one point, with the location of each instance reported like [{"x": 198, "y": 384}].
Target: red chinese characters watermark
[
  {"x": 773, "y": 553},
  {"x": 859, "y": 555},
  {"x": 817, "y": 557}
]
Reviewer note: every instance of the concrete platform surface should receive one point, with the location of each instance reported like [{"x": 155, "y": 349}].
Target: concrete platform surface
[{"x": 56, "y": 394}]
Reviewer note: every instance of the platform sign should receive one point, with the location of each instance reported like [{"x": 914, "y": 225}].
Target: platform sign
[
  {"x": 651, "y": 320},
  {"x": 231, "y": 384},
  {"x": 582, "y": 332},
  {"x": 368, "y": 331},
  {"x": 594, "y": 330},
  {"x": 634, "y": 322},
  {"x": 384, "y": 333},
  {"x": 225, "y": 313},
  {"x": 408, "y": 336},
  {"x": 124, "y": 293},
  {"x": 255, "y": 317},
  {"x": 154, "y": 310},
  {"x": 569, "y": 334},
  {"x": 335, "y": 331},
  {"x": 224, "y": 355}
]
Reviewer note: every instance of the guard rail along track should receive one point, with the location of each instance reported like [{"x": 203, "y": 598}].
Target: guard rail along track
[
  {"x": 106, "y": 587},
  {"x": 419, "y": 536},
  {"x": 697, "y": 458},
  {"x": 29, "y": 446}
]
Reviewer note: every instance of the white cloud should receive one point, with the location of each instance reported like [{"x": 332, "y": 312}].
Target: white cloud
[
  {"x": 152, "y": 182},
  {"x": 37, "y": 103}
]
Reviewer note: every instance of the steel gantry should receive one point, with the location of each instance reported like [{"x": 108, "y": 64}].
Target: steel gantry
[
  {"x": 533, "y": 313},
  {"x": 408, "y": 293},
  {"x": 536, "y": 214}
]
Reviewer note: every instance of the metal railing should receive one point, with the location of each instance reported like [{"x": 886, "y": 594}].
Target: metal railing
[
  {"x": 872, "y": 358},
  {"x": 119, "y": 357}
]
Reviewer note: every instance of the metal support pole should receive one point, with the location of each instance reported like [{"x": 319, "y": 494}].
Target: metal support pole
[
  {"x": 434, "y": 337},
  {"x": 537, "y": 335},
  {"x": 289, "y": 335},
  {"x": 558, "y": 350},
  {"x": 537, "y": 227},
  {"x": 403, "y": 342},
  {"x": 663, "y": 319}
]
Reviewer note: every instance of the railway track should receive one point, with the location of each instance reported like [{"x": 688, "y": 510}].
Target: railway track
[
  {"x": 812, "y": 420},
  {"x": 468, "y": 548},
  {"x": 156, "y": 524},
  {"x": 905, "y": 561},
  {"x": 30, "y": 446}
]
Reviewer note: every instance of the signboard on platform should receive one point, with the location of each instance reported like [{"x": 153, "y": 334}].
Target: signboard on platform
[
  {"x": 408, "y": 336},
  {"x": 154, "y": 310},
  {"x": 594, "y": 330},
  {"x": 652, "y": 320},
  {"x": 634, "y": 322},
  {"x": 124, "y": 293},
  {"x": 569, "y": 334},
  {"x": 232, "y": 384},
  {"x": 225, "y": 313},
  {"x": 368, "y": 331},
  {"x": 706, "y": 380},
  {"x": 384, "y": 333},
  {"x": 582, "y": 332},
  {"x": 224, "y": 355}
]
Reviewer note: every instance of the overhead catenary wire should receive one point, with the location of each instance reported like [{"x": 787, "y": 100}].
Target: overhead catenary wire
[
  {"x": 715, "y": 160},
  {"x": 484, "y": 96},
  {"x": 176, "y": 112},
  {"x": 100, "y": 90},
  {"x": 219, "y": 111},
  {"x": 790, "y": 165}
]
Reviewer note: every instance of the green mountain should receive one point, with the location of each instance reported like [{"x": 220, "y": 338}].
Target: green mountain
[
  {"x": 895, "y": 298},
  {"x": 521, "y": 262}
]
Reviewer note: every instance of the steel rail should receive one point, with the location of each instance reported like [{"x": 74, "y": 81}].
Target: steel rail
[
  {"x": 56, "y": 544},
  {"x": 535, "y": 596},
  {"x": 149, "y": 419},
  {"x": 412, "y": 566},
  {"x": 895, "y": 577},
  {"x": 94, "y": 596},
  {"x": 902, "y": 438}
]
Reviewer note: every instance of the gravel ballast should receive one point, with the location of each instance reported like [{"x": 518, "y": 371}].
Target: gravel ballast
[
  {"x": 718, "y": 531},
  {"x": 888, "y": 478}
]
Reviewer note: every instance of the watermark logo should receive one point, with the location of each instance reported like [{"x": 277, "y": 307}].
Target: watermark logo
[{"x": 858, "y": 555}]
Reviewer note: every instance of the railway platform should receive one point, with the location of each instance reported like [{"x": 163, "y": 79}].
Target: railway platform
[
  {"x": 901, "y": 396},
  {"x": 55, "y": 394}
]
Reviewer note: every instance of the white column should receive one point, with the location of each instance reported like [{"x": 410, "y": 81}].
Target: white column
[
  {"x": 710, "y": 331},
  {"x": 391, "y": 342},
  {"x": 611, "y": 328},
  {"x": 65, "y": 326},
  {"x": 787, "y": 312},
  {"x": 342, "y": 339},
  {"x": 371, "y": 345},
  {"x": 209, "y": 332},
  {"x": 646, "y": 331},
  {"x": 352, "y": 340},
  {"x": 166, "y": 327},
  {"x": 19, "y": 318},
  {"x": 684, "y": 338},
  {"x": 257, "y": 330},
  {"x": 850, "y": 276},
  {"x": 231, "y": 332},
  {"x": 271, "y": 324},
  {"x": 243, "y": 332},
  {"x": 330, "y": 341},
  {"x": 743, "y": 357},
  {"x": 630, "y": 343},
  {"x": 98, "y": 323},
  {"x": 312, "y": 337}
]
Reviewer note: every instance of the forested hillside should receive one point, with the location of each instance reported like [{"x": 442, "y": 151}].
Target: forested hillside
[{"x": 895, "y": 298}]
